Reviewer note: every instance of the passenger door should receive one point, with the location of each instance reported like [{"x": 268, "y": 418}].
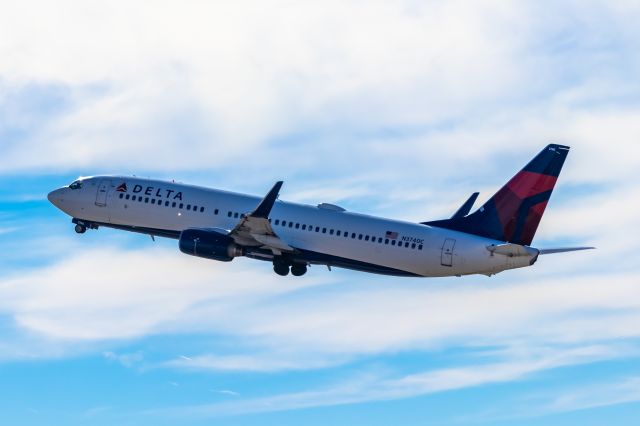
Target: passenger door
[{"x": 103, "y": 191}]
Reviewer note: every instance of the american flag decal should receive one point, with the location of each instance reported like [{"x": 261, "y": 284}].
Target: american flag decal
[
  {"x": 122, "y": 188},
  {"x": 391, "y": 235}
]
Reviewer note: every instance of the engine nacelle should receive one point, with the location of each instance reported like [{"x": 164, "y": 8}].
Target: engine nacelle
[{"x": 209, "y": 244}]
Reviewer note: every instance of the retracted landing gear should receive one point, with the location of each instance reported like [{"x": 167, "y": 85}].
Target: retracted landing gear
[{"x": 80, "y": 229}]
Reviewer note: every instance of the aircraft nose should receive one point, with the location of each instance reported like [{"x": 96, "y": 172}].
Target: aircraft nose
[{"x": 55, "y": 197}]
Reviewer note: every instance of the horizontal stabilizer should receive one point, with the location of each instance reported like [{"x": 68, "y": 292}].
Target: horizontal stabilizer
[
  {"x": 512, "y": 250},
  {"x": 565, "y": 250},
  {"x": 466, "y": 207}
]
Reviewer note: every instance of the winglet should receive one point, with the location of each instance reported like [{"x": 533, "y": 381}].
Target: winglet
[
  {"x": 466, "y": 207},
  {"x": 264, "y": 208}
]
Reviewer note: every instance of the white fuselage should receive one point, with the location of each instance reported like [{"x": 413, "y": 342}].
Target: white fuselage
[{"x": 168, "y": 207}]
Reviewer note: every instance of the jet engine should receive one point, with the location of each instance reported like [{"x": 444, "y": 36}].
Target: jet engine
[{"x": 209, "y": 244}]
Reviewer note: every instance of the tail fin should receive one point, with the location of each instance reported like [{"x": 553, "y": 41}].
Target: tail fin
[{"x": 513, "y": 213}]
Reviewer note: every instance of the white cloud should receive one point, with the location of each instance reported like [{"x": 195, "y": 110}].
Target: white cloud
[
  {"x": 110, "y": 294},
  {"x": 368, "y": 387},
  {"x": 231, "y": 80},
  {"x": 104, "y": 294},
  {"x": 412, "y": 104},
  {"x": 254, "y": 362}
]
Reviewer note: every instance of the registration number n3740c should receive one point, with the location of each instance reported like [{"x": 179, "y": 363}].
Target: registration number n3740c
[{"x": 413, "y": 240}]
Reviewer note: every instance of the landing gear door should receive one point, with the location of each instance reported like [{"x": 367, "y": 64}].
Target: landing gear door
[
  {"x": 103, "y": 191},
  {"x": 447, "y": 252}
]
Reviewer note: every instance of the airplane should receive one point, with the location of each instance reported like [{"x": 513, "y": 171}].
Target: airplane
[{"x": 222, "y": 225}]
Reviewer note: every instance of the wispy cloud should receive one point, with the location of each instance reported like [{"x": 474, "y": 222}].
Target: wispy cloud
[
  {"x": 127, "y": 360},
  {"x": 369, "y": 387},
  {"x": 606, "y": 394}
]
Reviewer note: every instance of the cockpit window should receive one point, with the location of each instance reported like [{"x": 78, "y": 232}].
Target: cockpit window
[{"x": 76, "y": 185}]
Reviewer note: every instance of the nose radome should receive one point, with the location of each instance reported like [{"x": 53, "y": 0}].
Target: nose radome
[{"x": 55, "y": 197}]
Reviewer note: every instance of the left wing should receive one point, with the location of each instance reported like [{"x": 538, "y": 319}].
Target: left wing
[{"x": 254, "y": 229}]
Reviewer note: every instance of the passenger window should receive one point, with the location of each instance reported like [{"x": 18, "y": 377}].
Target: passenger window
[
  {"x": 201, "y": 209},
  {"x": 393, "y": 242},
  {"x": 228, "y": 214},
  {"x": 420, "y": 247},
  {"x": 353, "y": 235},
  {"x": 304, "y": 227},
  {"x": 290, "y": 224},
  {"x": 153, "y": 201},
  {"x": 324, "y": 230},
  {"x": 277, "y": 221},
  {"x": 173, "y": 205},
  {"x": 338, "y": 233},
  {"x": 216, "y": 212},
  {"x": 379, "y": 240},
  {"x": 331, "y": 232},
  {"x": 346, "y": 234},
  {"x": 121, "y": 195},
  {"x": 366, "y": 238},
  {"x": 413, "y": 246},
  {"x": 386, "y": 241},
  {"x": 188, "y": 206},
  {"x": 310, "y": 228},
  {"x": 146, "y": 200},
  {"x": 128, "y": 196},
  {"x": 236, "y": 215},
  {"x": 406, "y": 245},
  {"x": 166, "y": 204},
  {"x": 297, "y": 226},
  {"x": 317, "y": 229}
]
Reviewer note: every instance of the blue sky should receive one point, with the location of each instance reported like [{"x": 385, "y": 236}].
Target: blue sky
[{"x": 395, "y": 108}]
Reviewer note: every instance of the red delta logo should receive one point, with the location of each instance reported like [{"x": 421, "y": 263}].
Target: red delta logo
[{"x": 122, "y": 188}]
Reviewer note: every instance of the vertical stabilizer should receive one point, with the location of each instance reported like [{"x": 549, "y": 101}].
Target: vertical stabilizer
[{"x": 514, "y": 213}]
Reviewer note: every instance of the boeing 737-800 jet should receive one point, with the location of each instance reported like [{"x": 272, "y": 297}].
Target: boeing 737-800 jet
[{"x": 222, "y": 225}]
